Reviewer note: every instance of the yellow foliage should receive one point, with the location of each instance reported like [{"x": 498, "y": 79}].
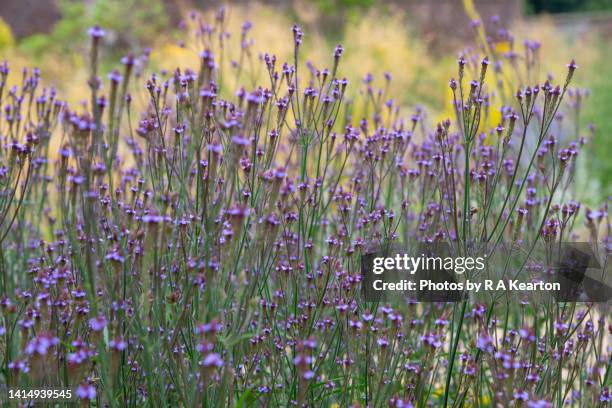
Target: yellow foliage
[
  {"x": 6, "y": 35},
  {"x": 379, "y": 43},
  {"x": 502, "y": 47},
  {"x": 169, "y": 56}
]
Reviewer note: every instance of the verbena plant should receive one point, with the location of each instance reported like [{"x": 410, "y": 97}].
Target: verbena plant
[{"x": 206, "y": 250}]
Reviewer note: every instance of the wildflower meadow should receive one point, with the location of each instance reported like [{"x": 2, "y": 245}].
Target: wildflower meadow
[{"x": 193, "y": 237}]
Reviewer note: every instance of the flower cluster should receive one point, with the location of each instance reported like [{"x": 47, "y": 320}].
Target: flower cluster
[{"x": 204, "y": 247}]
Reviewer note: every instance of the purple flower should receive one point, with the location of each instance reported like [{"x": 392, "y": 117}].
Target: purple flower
[
  {"x": 485, "y": 342},
  {"x": 96, "y": 32},
  {"x": 338, "y": 51},
  {"x": 297, "y": 35},
  {"x": 561, "y": 327},
  {"x": 212, "y": 360},
  {"x": 118, "y": 344},
  {"x": 98, "y": 323},
  {"x": 212, "y": 327},
  {"x": 605, "y": 395},
  {"x": 80, "y": 356},
  {"x": 115, "y": 77},
  {"x": 114, "y": 257},
  {"x": 240, "y": 140},
  {"x": 128, "y": 60},
  {"x": 86, "y": 391},
  {"x": 382, "y": 342},
  {"x": 539, "y": 404},
  {"x": 41, "y": 344},
  {"x": 400, "y": 403},
  {"x": 521, "y": 396},
  {"x": 19, "y": 366}
]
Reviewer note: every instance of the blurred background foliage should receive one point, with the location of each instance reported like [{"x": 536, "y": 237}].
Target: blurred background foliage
[
  {"x": 379, "y": 37},
  {"x": 130, "y": 23}
]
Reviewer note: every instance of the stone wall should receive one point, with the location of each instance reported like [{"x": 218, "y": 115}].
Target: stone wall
[
  {"x": 27, "y": 17},
  {"x": 445, "y": 22}
]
